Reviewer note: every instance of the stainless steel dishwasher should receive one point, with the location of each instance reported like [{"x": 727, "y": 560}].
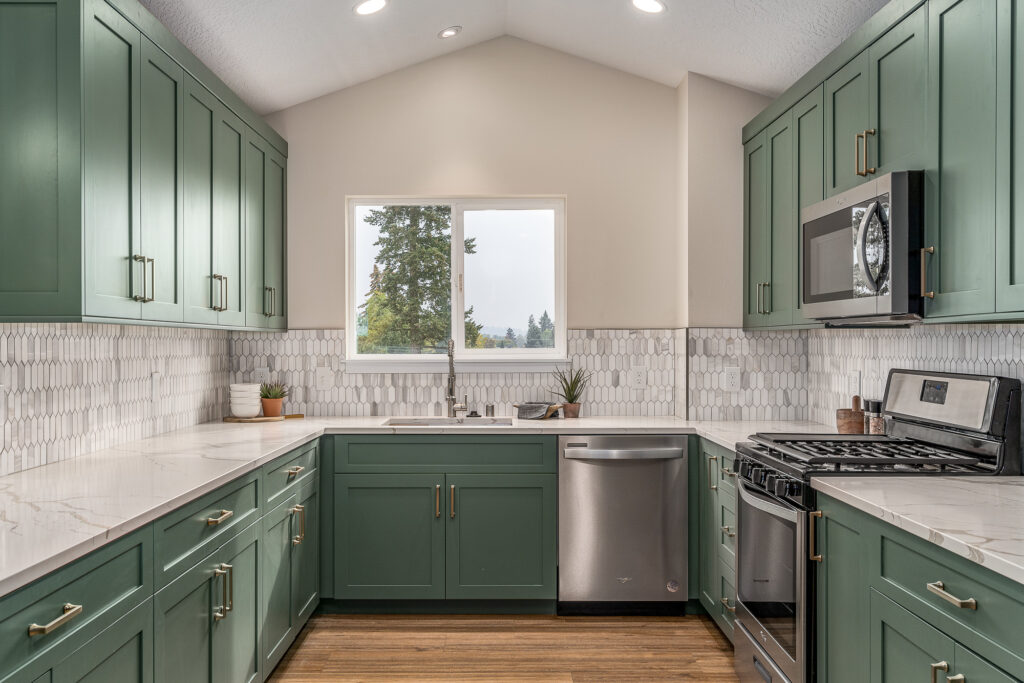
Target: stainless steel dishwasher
[{"x": 622, "y": 519}]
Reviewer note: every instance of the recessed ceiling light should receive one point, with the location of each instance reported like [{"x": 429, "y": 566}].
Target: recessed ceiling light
[
  {"x": 450, "y": 32},
  {"x": 649, "y": 6},
  {"x": 370, "y": 6}
]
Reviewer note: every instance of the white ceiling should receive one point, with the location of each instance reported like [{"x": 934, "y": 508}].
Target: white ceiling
[{"x": 276, "y": 53}]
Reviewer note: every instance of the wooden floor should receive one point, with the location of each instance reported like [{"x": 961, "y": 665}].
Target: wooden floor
[{"x": 469, "y": 648}]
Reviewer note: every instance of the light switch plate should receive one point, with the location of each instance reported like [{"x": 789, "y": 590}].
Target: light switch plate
[
  {"x": 732, "y": 379},
  {"x": 324, "y": 379},
  {"x": 261, "y": 375},
  {"x": 637, "y": 377}
]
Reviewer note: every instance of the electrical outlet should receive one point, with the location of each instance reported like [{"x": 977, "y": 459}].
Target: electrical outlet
[
  {"x": 261, "y": 375},
  {"x": 637, "y": 377},
  {"x": 155, "y": 380},
  {"x": 324, "y": 379},
  {"x": 732, "y": 379}
]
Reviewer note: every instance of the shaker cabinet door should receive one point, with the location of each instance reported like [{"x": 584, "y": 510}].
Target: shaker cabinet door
[
  {"x": 779, "y": 294},
  {"x": 847, "y": 115},
  {"x": 275, "y": 213},
  {"x": 228, "y": 217},
  {"x": 257, "y": 295},
  {"x": 757, "y": 230}
]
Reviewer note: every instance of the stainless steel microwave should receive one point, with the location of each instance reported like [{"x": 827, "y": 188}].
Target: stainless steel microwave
[{"x": 860, "y": 253}]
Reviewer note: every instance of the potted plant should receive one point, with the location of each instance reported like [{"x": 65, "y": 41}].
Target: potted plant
[
  {"x": 272, "y": 396},
  {"x": 572, "y": 384}
]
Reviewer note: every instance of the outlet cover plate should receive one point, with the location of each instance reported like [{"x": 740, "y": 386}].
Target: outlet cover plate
[
  {"x": 732, "y": 379},
  {"x": 637, "y": 377},
  {"x": 324, "y": 379},
  {"x": 261, "y": 375}
]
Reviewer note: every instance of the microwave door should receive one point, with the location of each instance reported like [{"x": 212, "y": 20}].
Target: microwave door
[{"x": 834, "y": 282}]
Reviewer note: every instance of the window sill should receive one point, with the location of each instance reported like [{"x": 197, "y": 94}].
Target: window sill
[{"x": 440, "y": 366}]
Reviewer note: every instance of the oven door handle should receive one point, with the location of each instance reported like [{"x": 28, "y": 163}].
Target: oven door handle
[{"x": 766, "y": 504}]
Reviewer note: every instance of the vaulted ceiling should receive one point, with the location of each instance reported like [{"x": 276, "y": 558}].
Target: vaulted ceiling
[{"x": 277, "y": 53}]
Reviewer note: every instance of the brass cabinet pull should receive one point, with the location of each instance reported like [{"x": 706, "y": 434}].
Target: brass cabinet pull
[
  {"x": 759, "y": 298},
  {"x": 300, "y": 510},
  {"x": 816, "y": 515},
  {"x": 221, "y": 611},
  {"x": 939, "y": 588},
  {"x": 727, "y": 472},
  {"x": 924, "y": 273},
  {"x": 224, "y": 302},
  {"x": 728, "y": 531},
  {"x": 138, "y": 258},
  {"x": 959, "y": 678},
  {"x": 294, "y": 471},
  {"x": 267, "y": 309},
  {"x": 220, "y": 292},
  {"x": 437, "y": 501},
  {"x": 224, "y": 515},
  {"x": 725, "y": 603},
  {"x": 152, "y": 279},
  {"x": 69, "y": 612},
  {"x": 230, "y": 605},
  {"x": 711, "y": 486},
  {"x": 871, "y": 132},
  {"x": 856, "y": 154},
  {"x": 936, "y": 668},
  {"x": 452, "y": 497},
  {"x": 273, "y": 301},
  {"x": 767, "y": 298}
]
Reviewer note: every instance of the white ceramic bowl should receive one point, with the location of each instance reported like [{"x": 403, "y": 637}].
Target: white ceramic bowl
[
  {"x": 243, "y": 386},
  {"x": 246, "y": 402},
  {"x": 245, "y": 397},
  {"x": 245, "y": 411}
]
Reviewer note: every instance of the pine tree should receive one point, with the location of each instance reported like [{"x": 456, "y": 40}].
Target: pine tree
[{"x": 533, "y": 336}]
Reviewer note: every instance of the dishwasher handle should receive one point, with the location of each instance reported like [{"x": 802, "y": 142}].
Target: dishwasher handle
[{"x": 623, "y": 453}]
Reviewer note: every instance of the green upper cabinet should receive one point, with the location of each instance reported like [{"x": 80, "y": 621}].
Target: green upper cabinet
[
  {"x": 967, "y": 189},
  {"x": 1010, "y": 244},
  {"x": 122, "y": 200},
  {"x": 757, "y": 230},
  {"x": 779, "y": 291},
  {"x": 809, "y": 136},
  {"x": 847, "y": 116},
  {"x": 265, "y": 235}
]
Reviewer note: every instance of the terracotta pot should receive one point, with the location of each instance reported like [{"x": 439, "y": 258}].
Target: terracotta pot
[
  {"x": 571, "y": 409},
  {"x": 272, "y": 407}
]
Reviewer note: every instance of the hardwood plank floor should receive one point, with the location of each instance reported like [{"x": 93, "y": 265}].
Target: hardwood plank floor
[{"x": 534, "y": 649}]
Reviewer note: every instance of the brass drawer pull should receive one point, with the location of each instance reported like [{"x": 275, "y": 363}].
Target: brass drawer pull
[
  {"x": 220, "y": 293},
  {"x": 936, "y": 668},
  {"x": 139, "y": 258},
  {"x": 294, "y": 471},
  {"x": 437, "y": 501},
  {"x": 453, "y": 501},
  {"x": 767, "y": 298},
  {"x": 69, "y": 613},
  {"x": 728, "y": 531},
  {"x": 924, "y": 273},
  {"x": 864, "y": 137},
  {"x": 711, "y": 486},
  {"x": 939, "y": 588},
  {"x": 727, "y": 472},
  {"x": 300, "y": 510},
  {"x": 221, "y": 611},
  {"x": 816, "y": 515},
  {"x": 725, "y": 603},
  {"x": 959, "y": 678},
  {"x": 856, "y": 154},
  {"x": 224, "y": 515}
]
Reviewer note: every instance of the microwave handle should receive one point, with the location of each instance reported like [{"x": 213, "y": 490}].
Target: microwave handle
[{"x": 862, "y": 245}]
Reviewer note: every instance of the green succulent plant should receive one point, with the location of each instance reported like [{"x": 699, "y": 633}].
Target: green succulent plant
[
  {"x": 571, "y": 383},
  {"x": 273, "y": 390}
]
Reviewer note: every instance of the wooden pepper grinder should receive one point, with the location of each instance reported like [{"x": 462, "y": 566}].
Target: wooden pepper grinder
[{"x": 850, "y": 420}]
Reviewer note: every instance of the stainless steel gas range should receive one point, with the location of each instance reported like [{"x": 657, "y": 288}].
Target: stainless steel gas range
[{"x": 936, "y": 424}]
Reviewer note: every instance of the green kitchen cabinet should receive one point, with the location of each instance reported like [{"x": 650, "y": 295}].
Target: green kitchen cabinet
[
  {"x": 389, "y": 536},
  {"x": 809, "y": 137},
  {"x": 847, "y": 116},
  {"x": 967, "y": 189},
  {"x": 717, "y": 532},
  {"x": 500, "y": 537},
  {"x": 779, "y": 293},
  {"x": 904, "y": 648},
  {"x": 228, "y": 218},
  {"x": 207, "y": 621},
  {"x": 265, "y": 235},
  {"x": 756, "y": 230},
  {"x": 1009, "y": 237},
  {"x": 708, "y": 563}
]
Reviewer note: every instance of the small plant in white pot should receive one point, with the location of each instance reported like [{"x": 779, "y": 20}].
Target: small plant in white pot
[{"x": 571, "y": 385}]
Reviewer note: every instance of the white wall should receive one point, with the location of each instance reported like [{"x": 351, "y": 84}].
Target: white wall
[
  {"x": 504, "y": 117},
  {"x": 709, "y": 197}
]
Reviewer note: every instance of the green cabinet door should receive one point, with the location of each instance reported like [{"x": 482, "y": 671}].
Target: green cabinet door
[
  {"x": 976, "y": 669},
  {"x": 500, "y": 539},
  {"x": 779, "y": 294},
  {"x": 274, "y": 252},
  {"x": 1010, "y": 234},
  {"x": 110, "y": 163},
  {"x": 235, "y": 638},
  {"x": 757, "y": 230},
  {"x": 257, "y": 296},
  {"x": 389, "y": 536},
  {"x": 306, "y": 555},
  {"x": 228, "y": 217},
  {"x": 809, "y": 135},
  {"x": 201, "y": 295},
  {"x": 842, "y": 601},
  {"x": 280, "y": 530},
  {"x": 709, "y": 582},
  {"x": 898, "y": 64},
  {"x": 847, "y": 115},
  {"x": 161, "y": 191},
  {"x": 969, "y": 72},
  {"x": 183, "y": 619},
  {"x": 903, "y": 647},
  {"x": 123, "y": 653}
]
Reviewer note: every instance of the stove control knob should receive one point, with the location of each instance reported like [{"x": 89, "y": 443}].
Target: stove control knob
[
  {"x": 780, "y": 487},
  {"x": 745, "y": 469},
  {"x": 769, "y": 481},
  {"x": 794, "y": 489},
  {"x": 756, "y": 474}
]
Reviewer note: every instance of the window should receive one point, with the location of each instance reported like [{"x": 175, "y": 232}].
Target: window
[{"x": 487, "y": 273}]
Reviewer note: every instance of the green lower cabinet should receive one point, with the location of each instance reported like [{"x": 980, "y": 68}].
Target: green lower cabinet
[
  {"x": 389, "y": 536},
  {"x": 709, "y": 531},
  {"x": 904, "y": 648},
  {"x": 717, "y": 532},
  {"x": 500, "y": 541},
  {"x": 236, "y": 643},
  {"x": 122, "y": 653}
]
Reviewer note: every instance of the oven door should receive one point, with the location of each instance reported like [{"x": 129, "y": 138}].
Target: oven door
[
  {"x": 847, "y": 255},
  {"x": 771, "y": 582}
]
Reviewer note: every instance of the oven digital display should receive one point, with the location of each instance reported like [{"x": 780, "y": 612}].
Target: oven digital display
[{"x": 934, "y": 391}]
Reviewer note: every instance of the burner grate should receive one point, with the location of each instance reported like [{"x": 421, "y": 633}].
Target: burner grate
[{"x": 873, "y": 453}]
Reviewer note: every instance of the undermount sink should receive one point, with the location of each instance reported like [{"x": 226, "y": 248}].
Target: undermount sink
[{"x": 449, "y": 422}]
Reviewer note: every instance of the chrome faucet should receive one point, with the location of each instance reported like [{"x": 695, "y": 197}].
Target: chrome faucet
[{"x": 453, "y": 408}]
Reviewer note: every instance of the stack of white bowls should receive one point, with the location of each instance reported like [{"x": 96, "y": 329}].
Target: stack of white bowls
[{"x": 245, "y": 400}]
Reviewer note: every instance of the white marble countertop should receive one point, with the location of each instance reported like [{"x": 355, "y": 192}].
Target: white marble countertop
[
  {"x": 54, "y": 514},
  {"x": 980, "y": 518}
]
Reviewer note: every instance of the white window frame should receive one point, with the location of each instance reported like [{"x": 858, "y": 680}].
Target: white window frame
[{"x": 476, "y": 360}]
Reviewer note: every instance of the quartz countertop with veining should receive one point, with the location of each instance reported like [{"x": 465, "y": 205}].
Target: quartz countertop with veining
[
  {"x": 54, "y": 514},
  {"x": 980, "y": 518}
]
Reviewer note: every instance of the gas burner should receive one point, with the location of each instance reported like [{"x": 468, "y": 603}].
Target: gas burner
[{"x": 870, "y": 453}]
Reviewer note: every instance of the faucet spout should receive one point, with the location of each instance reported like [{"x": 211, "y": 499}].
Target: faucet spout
[{"x": 453, "y": 406}]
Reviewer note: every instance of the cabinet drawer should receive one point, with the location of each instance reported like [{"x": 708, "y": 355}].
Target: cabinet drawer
[
  {"x": 284, "y": 475},
  {"x": 727, "y": 536},
  {"x": 415, "y": 454},
  {"x": 105, "y": 584},
  {"x": 908, "y": 565},
  {"x": 187, "y": 535}
]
